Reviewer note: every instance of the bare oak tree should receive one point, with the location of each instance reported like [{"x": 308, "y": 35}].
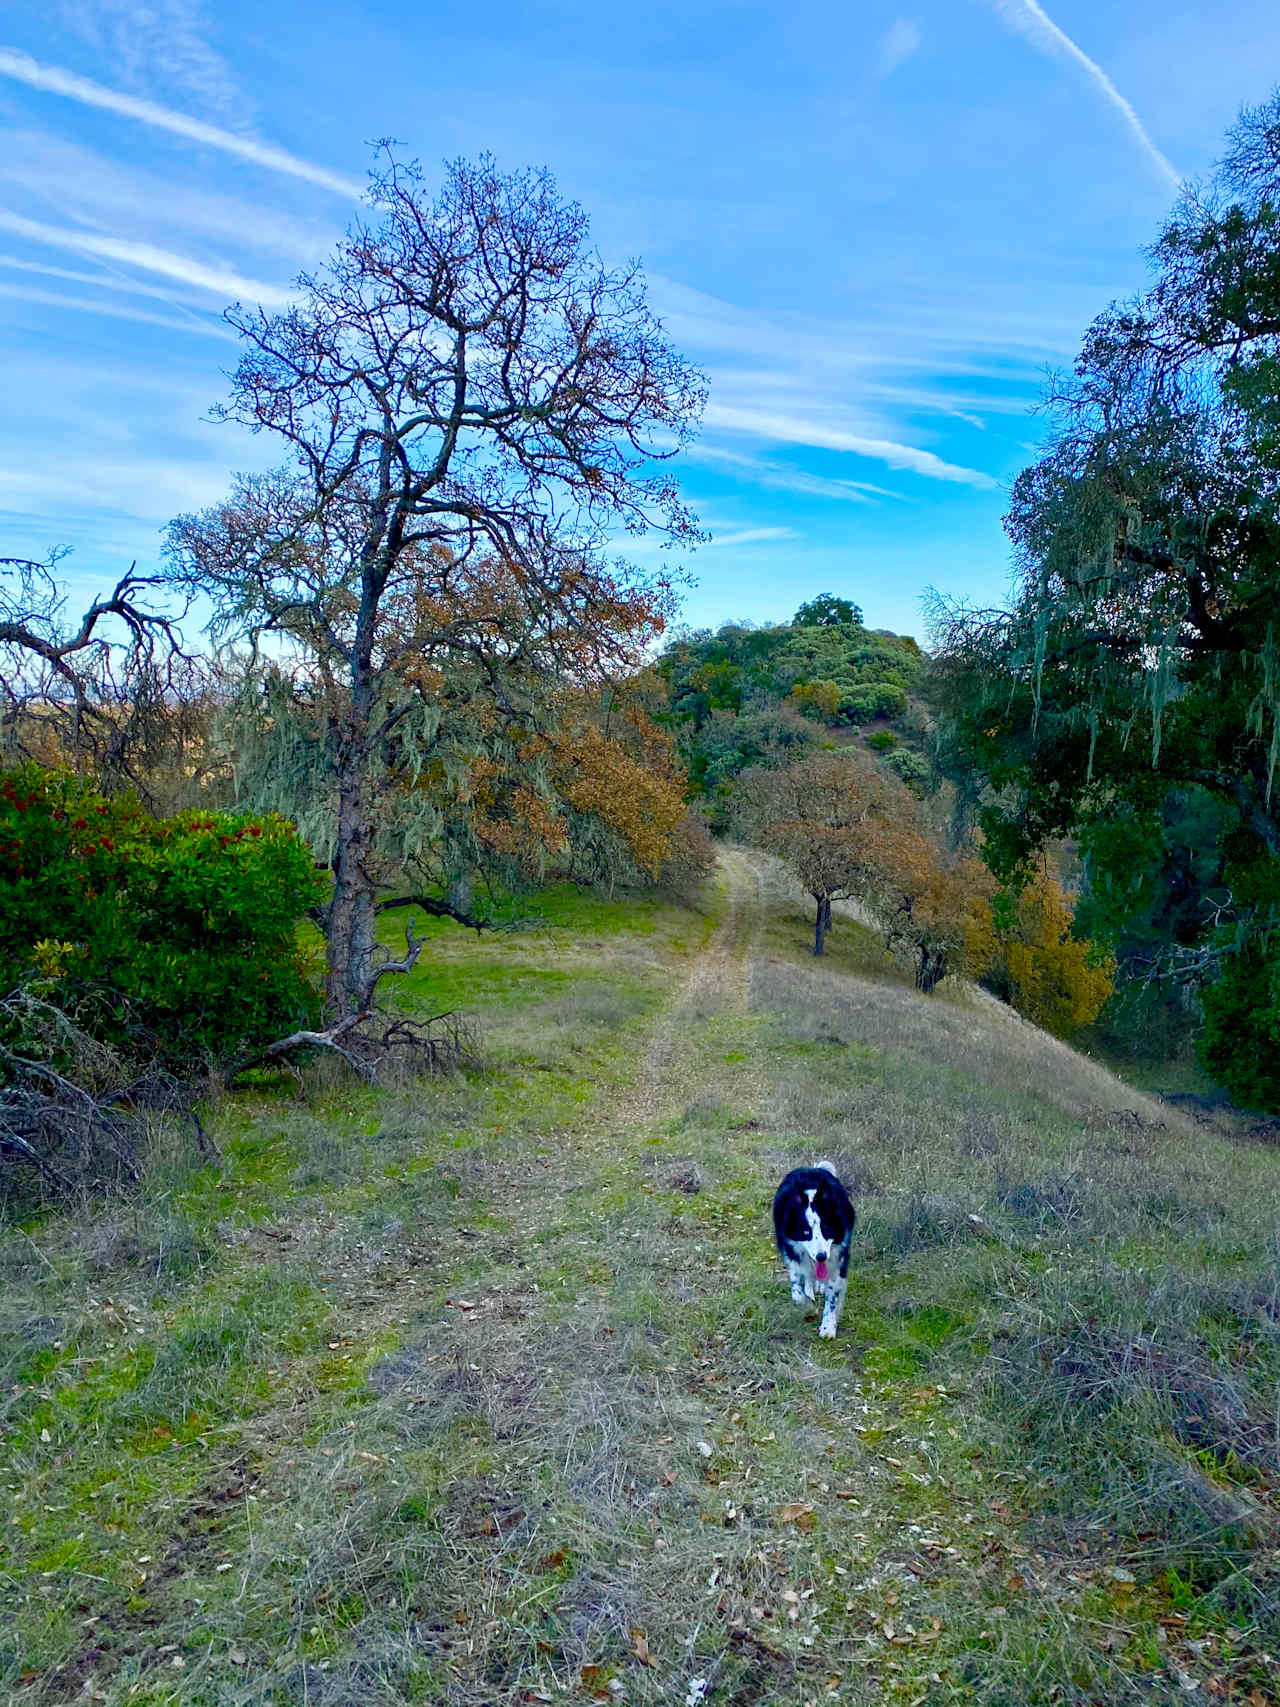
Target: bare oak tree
[
  {"x": 108, "y": 688},
  {"x": 473, "y": 408},
  {"x": 84, "y": 687}
]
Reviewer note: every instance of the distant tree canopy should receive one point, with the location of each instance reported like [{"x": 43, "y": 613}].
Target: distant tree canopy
[
  {"x": 1138, "y": 665},
  {"x": 850, "y": 831},
  {"x": 742, "y": 696},
  {"x": 827, "y": 611},
  {"x": 826, "y": 664},
  {"x": 822, "y": 813}
]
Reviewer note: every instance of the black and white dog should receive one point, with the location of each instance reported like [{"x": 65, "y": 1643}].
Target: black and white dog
[{"x": 813, "y": 1225}]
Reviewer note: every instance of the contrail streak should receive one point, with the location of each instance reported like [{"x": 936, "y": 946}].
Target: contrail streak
[
  {"x": 220, "y": 281},
  {"x": 54, "y": 81},
  {"x": 1032, "y": 21}
]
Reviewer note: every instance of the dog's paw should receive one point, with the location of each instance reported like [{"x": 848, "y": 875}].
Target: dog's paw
[
  {"x": 828, "y": 1329},
  {"x": 797, "y": 1292}
]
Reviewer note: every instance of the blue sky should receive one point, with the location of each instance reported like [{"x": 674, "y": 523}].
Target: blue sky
[{"x": 873, "y": 225}]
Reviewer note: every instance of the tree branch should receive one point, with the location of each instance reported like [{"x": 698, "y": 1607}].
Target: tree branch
[{"x": 437, "y": 910}]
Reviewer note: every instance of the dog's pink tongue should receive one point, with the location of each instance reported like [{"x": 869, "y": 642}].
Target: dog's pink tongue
[{"x": 820, "y": 1268}]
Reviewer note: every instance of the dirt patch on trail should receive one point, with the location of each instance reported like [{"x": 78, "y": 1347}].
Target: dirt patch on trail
[{"x": 719, "y": 980}]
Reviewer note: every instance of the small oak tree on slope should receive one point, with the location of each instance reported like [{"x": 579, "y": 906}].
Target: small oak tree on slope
[{"x": 473, "y": 407}]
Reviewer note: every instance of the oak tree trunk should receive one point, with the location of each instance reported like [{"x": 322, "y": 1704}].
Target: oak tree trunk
[
  {"x": 931, "y": 968},
  {"x": 350, "y": 945},
  {"x": 822, "y": 922}
]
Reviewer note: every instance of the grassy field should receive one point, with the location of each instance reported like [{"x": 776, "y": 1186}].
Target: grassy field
[{"x": 490, "y": 1391}]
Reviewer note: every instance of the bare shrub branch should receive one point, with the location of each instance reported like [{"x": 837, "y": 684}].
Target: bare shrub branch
[{"x": 84, "y": 1123}]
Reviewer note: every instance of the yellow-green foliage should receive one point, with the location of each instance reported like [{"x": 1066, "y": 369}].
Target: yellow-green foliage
[
  {"x": 822, "y": 698},
  {"x": 1051, "y": 978}
]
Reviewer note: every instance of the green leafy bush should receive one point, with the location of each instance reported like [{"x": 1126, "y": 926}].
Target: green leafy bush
[
  {"x": 1240, "y": 1043},
  {"x": 882, "y": 699},
  {"x": 181, "y": 931},
  {"x": 911, "y": 767},
  {"x": 819, "y": 699}
]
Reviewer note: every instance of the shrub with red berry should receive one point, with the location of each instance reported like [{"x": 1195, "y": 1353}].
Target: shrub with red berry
[{"x": 185, "y": 929}]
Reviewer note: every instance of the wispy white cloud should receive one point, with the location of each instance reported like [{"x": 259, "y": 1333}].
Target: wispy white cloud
[
  {"x": 801, "y": 430},
  {"x": 845, "y": 385},
  {"x": 51, "y": 79},
  {"x": 120, "y": 195},
  {"x": 761, "y": 471},
  {"x": 751, "y": 536},
  {"x": 1031, "y": 20},
  {"x": 103, "y": 281},
  {"x": 115, "y": 311},
  {"x": 898, "y": 43},
  {"x": 148, "y": 40},
  {"x": 952, "y": 328},
  {"x": 140, "y": 488},
  {"x": 221, "y": 281},
  {"x": 959, "y": 406}
]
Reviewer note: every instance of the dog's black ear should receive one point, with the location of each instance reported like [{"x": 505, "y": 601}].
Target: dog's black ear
[
  {"x": 834, "y": 1209},
  {"x": 791, "y": 1218}
]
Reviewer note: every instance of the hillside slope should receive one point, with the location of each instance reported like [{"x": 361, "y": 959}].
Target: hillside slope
[
  {"x": 969, "y": 1030},
  {"x": 491, "y": 1392}
]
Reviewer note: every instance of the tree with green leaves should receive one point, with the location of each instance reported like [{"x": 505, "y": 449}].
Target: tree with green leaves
[
  {"x": 743, "y": 672},
  {"x": 827, "y": 611},
  {"x": 472, "y": 409},
  {"x": 1139, "y": 660}
]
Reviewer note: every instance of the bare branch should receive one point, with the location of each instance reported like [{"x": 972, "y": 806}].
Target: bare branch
[{"x": 438, "y": 909}]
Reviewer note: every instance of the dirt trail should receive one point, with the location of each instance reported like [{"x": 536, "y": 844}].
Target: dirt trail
[
  {"x": 719, "y": 978},
  {"x": 588, "y": 1372}
]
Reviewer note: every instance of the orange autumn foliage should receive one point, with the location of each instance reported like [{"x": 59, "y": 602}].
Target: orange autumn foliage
[
  {"x": 935, "y": 906},
  {"x": 850, "y": 830},
  {"x": 642, "y": 801},
  {"x": 597, "y": 788}
]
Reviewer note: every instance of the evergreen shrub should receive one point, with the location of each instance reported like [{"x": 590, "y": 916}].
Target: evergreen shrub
[
  {"x": 1240, "y": 1043},
  {"x": 177, "y": 934},
  {"x": 883, "y": 699},
  {"x": 911, "y": 767}
]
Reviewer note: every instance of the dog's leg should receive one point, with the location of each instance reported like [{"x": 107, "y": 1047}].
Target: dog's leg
[
  {"x": 831, "y": 1309},
  {"x": 801, "y": 1284},
  {"x": 835, "y": 1290}
]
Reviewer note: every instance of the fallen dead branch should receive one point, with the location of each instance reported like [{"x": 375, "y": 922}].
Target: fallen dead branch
[
  {"x": 368, "y": 1042},
  {"x": 73, "y": 1112}
]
